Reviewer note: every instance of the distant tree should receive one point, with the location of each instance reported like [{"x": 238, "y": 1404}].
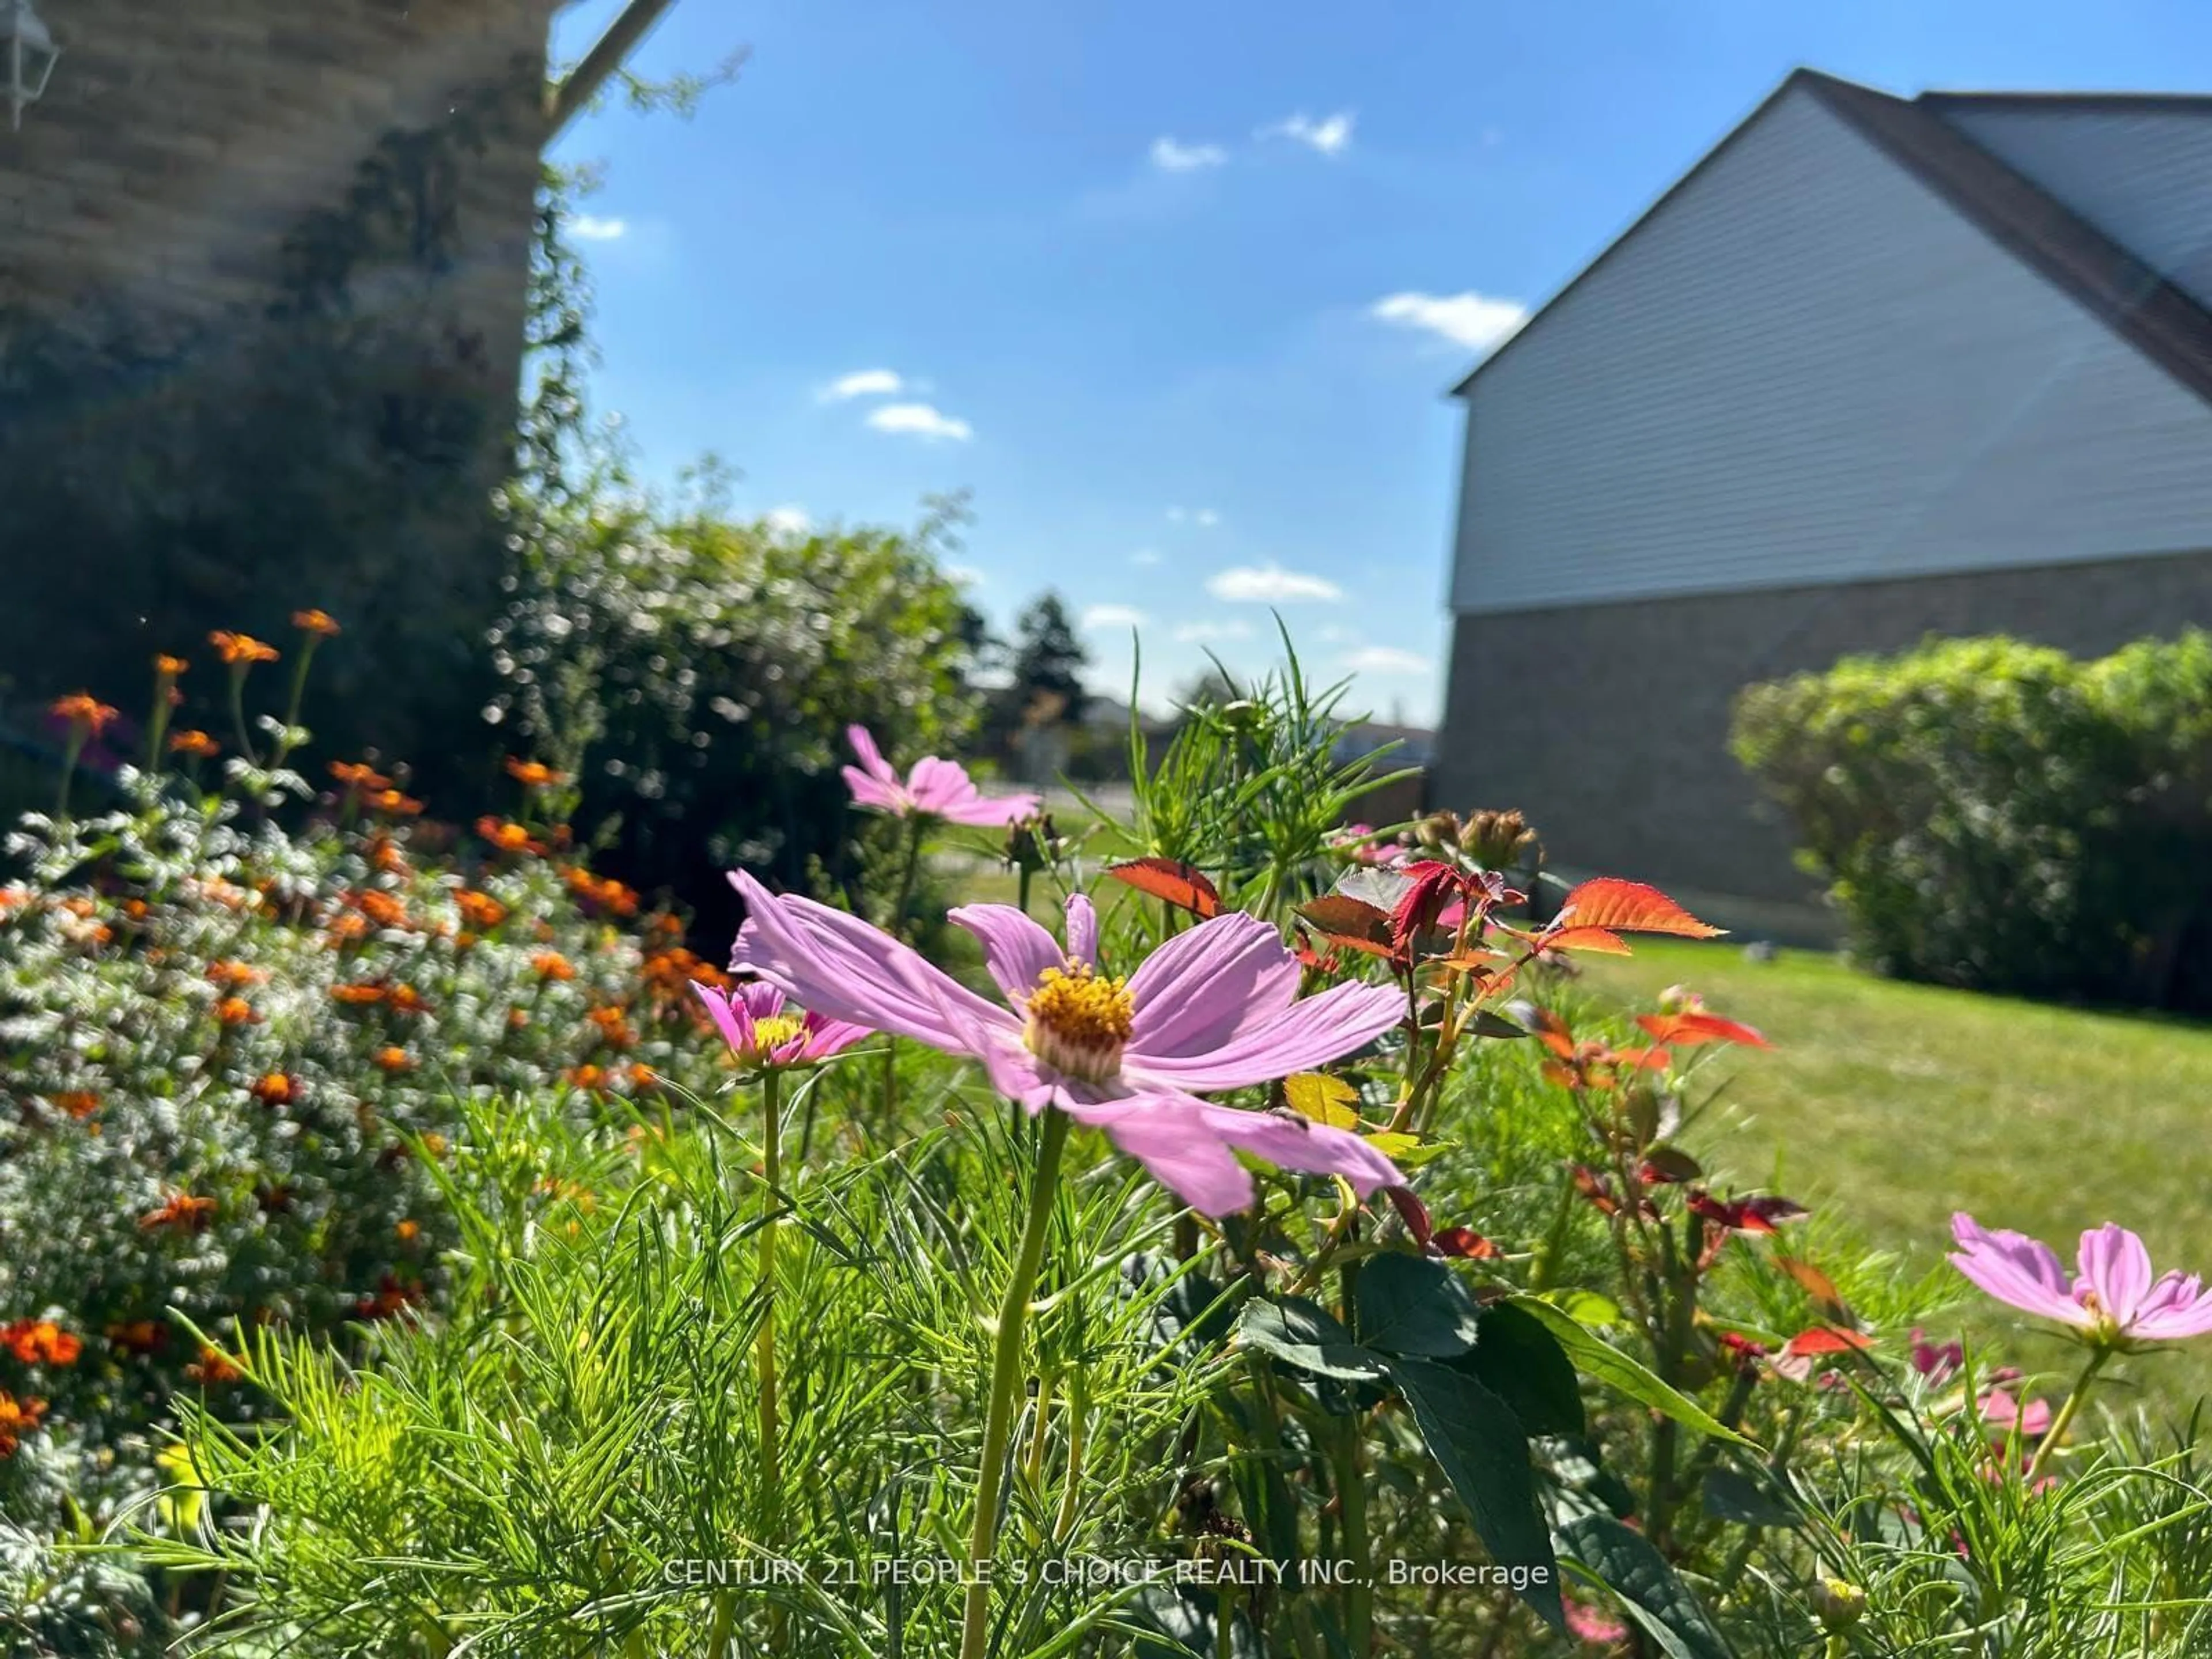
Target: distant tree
[{"x": 1044, "y": 672}]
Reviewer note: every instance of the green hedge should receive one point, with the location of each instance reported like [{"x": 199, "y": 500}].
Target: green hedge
[{"x": 2000, "y": 816}]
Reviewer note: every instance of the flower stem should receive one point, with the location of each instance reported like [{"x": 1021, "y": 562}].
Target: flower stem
[
  {"x": 771, "y": 1428},
  {"x": 74, "y": 748},
  {"x": 1352, "y": 1509},
  {"x": 1005, "y": 1377},
  {"x": 2064, "y": 1420},
  {"x": 772, "y": 1169}
]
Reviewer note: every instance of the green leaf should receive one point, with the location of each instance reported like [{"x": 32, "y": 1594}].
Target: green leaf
[
  {"x": 1519, "y": 1360},
  {"x": 1609, "y": 1365},
  {"x": 1649, "y": 1589},
  {"x": 1306, "y": 1337},
  {"x": 1496, "y": 1025},
  {"x": 1732, "y": 1496},
  {"x": 1480, "y": 1445},
  {"x": 1585, "y": 1307},
  {"x": 1409, "y": 1305}
]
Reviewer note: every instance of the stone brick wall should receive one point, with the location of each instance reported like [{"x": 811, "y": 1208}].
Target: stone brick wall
[
  {"x": 180, "y": 141},
  {"x": 1607, "y": 724}
]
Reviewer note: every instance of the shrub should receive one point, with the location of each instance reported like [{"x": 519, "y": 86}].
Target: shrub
[
  {"x": 2000, "y": 815},
  {"x": 235, "y": 1054},
  {"x": 698, "y": 673}
]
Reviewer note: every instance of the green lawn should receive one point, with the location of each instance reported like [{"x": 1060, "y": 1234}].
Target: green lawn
[{"x": 1900, "y": 1103}]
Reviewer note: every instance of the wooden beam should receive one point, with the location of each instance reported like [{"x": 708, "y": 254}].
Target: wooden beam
[{"x": 607, "y": 56}]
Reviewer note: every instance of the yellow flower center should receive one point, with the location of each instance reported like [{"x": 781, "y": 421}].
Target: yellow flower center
[
  {"x": 1078, "y": 1022},
  {"x": 772, "y": 1033}
]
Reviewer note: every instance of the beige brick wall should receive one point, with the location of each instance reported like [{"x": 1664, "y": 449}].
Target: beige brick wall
[
  {"x": 1607, "y": 724},
  {"x": 180, "y": 141}
]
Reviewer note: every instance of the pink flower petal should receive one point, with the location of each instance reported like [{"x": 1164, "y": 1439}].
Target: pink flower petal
[
  {"x": 1082, "y": 929},
  {"x": 1307, "y": 1034},
  {"x": 842, "y": 968},
  {"x": 1165, "y": 1136},
  {"x": 825, "y": 1038},
  {"x": 874, "y": 794},
  {"x": 2117, "y": 1266},
  {"x": 1291, "y": 1142},
  {"x": 937, "y": 784},
  {"x": 872, "y": 758},
  {"x": 2016, "y": 1269},
  {"x": 1203, "y": 987},
  {"x": 1016, "y": 949},
  {"x": 731, "y": 1018},
  {"x": 992, "y": 811}
]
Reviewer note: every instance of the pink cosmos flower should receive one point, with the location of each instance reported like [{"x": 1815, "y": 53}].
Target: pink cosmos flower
[
  {"x": 1586, "y": 1623},
  {"x": 762, "y": 1030},
  {"x": 1936, "y": 1361},
  {"x": 2002, "y": 1412},
  {"x": 2113, "y": 1300},
  {"x": 935, "y": 788},
  {"x": 1215, "y": 1008}
]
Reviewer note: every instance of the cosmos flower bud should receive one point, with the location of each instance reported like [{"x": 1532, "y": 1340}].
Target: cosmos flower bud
[
  {"x": 1837, "y": 1603},
  {"x": 1496, "y": 841}
]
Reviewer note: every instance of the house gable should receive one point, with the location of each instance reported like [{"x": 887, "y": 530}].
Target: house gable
[
  {"x": 1847, "y": 346},
  {"x": 2139, "y": 169}
]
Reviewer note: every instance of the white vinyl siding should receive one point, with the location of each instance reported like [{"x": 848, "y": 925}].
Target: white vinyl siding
[
  {"x": 2141, "y": 176},
  {"x": 1806, "y": 367}
]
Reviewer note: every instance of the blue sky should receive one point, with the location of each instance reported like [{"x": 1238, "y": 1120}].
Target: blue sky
[{"x": 1177, "y": 291}]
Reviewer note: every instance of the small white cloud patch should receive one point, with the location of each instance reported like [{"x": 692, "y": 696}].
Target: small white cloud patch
[
  {"x": 590, "y": 227},
  {"x": 1470, "y": 319},
  {"x": 864, "y": 383},
  {"x": 1170, "y": 156},
  {"x": 1097, "y": 617},
  {"x": 1386, "y": 660},
  {"x": 1269, "y": 584},
  {"x": 788, "y": 520},
  {"x": 1146, "y": 556},
  {"x": 920, "y": 421},
  {"x": 1202, "y": 633},
  {"x": 1330, "y": 135}
]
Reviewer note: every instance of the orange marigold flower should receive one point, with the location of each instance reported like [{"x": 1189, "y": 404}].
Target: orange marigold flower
[
  {"x": 507, "y": 836},
  {"x": 40, "y": 1342},
  {"x": 533, "y": 775},
  {"x": 17, "y": 1419},
  {"x": 399, "y": 805},
  {"x": 384, "y": 909},
  {"x": 138, "y": 1335},
  {"x": 551, "y": 964},
  {"x": 317, "y": 623},
  {"x": 169, "y": 667},
  {"x": 359, "y": 995},
  {"x": 391, "y": 1058},
  {"x": 392, "y": 1299},
  {"x": 586, "y": 1077},
  {"x": 614, "y": 1029},
  {"x": 236, "y": 649},
  {"x": 234, "y": 975},
  {"x": 214, "y": 1368},
  {"x": 643, "y": 1077},
  {"x": 235, "y": 1011},
  {"x": 481, "y": 910},
  {"x": 276, "y": 1088},
  {"x": 517, "y": 1019},
  {"x": 408, "y": 1230},
  {"x": 196, "y": 744},
  {"x": 83, "y": 710},
  {"x": 184, "y": 1212},
  {"x": 358, "y": 775},
  {"x": 406, "y": 999},
  {"x": 344, "y": 929},
  {"x": 79, "y": 1103}
]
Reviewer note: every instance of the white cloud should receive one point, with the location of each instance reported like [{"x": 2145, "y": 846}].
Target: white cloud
[
  {"x": 1206, "y": 632},
  {"x": 589, "y": 228},
  {"x": 1386, "y": 660},
  {"x": 1270, "y": 584},
  {"x": 1329, "y": 136},
  {"x": 789, "y": 519},
  {"x": 864, "y": 383},
  {"x": 1203, "y": 517},
  {"x": 1097, "y": 617},
  {"x": 1470, "y": 319},
  {"x": 966, "y": 576},
  {"x": 920, "y": 420},
  {"x": 1168, "y": 156},
  {"x": 1146, "y": 556}
]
